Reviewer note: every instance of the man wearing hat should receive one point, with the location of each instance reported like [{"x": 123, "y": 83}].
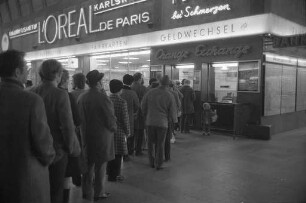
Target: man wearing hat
[
  {"x": 98, "y": 127},
  {"x": 158, "y": 107}
]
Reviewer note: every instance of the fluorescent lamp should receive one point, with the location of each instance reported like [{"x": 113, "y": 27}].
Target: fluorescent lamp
[
  {"x": 130, "y": 58},
  {"x": 185, "y": 66},
  {"x": 221, "y": 65},
  {"x": 124, "y": 62}
]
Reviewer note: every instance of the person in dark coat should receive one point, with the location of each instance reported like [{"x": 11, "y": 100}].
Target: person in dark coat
[
  {"x": 139, "y": 125},
  {"x": 158, "y": 107},
  {"x": 187, "y": 105},
  {"x": 73, "y": 170},
  {"x": 26, "y": 144},
  {"x": 122, "y": 132},
  {"x": 133, "y": 105},
  {"x": 153, "y": 82},
  {"x": 60, "y": 121},
  {"x": 78, "y": 85},
  {"x": 98, "y": 127}
]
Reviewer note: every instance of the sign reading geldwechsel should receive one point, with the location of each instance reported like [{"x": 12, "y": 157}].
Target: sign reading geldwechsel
[
  {"x": 290, "y": 41},
  {"x": 83, "y": 20}
]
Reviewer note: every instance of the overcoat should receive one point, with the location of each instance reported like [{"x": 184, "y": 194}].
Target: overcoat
[
  {"x": 140, "y": 91},
  {"x": 132, "y": 104},
  {"x": 98, "y": 125},
  {"x": 158, "y": 107},
  {"x": 59, "y": 117},
  {"x": 188, "y": 99},
  {"x": 26, "y": 146},
  {"x": 123, "y": 124}
]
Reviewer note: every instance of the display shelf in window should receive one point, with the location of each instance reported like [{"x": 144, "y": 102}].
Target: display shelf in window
[{"x": 248, "y": 76}]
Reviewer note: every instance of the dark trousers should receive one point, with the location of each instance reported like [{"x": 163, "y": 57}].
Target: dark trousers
[
  {"x": 206, "y": 127},
  {"x": 156, "y": 145},
  {"x": 93, "y": 183},
  {"x": 139, "y": 134},
  {"x": 167, "y": 142},
  {"x": 114, "y": 167},
  {"x": 185, "y": 122},
  {"x": 57, "y": 172},
  {"x": 131, "y": 144}
]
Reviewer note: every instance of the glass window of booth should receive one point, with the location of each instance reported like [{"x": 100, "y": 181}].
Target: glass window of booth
[
  {"x": 280, "y": 89},
  {"x": 227, "y": 78},
  {"x": 116, "y": 65},
  {"x": 301, "y": 89},
  {"x": 183, "y": 71},
  {"x": 223, "y": 80}
]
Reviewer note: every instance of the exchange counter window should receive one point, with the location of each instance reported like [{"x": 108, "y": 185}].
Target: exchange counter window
[
  {"x": 223, "y": 80},
  {"x": 227, "y": 78},
  {"x": 116, "y": 65},
  {"x": 184, "y": 71}
]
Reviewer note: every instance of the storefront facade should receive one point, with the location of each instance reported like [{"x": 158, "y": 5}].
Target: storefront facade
[{"x": 221, "y": 46}]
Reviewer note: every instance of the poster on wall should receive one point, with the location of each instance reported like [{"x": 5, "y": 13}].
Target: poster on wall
[{"x": 197, "y": 80}]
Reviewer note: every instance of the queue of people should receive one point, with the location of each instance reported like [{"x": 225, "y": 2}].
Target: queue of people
[{"x": 51, "y": 137}]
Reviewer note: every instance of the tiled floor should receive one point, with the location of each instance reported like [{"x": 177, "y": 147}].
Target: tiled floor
[{"x": 217, "y": 169}]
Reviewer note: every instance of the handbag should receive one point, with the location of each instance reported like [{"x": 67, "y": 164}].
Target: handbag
[{"x": 214, "y": 117}]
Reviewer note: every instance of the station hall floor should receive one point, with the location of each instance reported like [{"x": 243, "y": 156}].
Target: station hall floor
[{"x": 217, "y": 168}]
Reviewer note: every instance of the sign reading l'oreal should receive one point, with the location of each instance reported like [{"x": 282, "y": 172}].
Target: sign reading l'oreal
[
  {"x": 83, "y": 20},
  {"x": 189, "y": 10}
]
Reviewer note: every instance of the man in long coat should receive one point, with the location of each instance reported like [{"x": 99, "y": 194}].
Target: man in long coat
[
  {"x": 139, "y": 124},
  {"x": 187, "y": 105},
  {"x": 133, "y": 105},
  {"x": 98, "y": 127},
  {"x": 26, "y": 145}
]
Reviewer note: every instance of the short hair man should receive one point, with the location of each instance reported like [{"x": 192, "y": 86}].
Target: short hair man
[
  {"x": 158, "y": 107},
  {"x": 26, "y": 144},
  {"x": 98, "y": 127},
  {"x": 139, "y": 126}
]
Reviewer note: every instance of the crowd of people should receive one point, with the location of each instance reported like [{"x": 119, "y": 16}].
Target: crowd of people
[{"x": 50, "y": 138}]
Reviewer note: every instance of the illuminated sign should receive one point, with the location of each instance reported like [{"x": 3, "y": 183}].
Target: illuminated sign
[
  {"x": 176, "y": 1},
  {"x": 245, "y": 26},
  {"x": 207, "y": 31},
  {"x": 274, "y": 58},
  {"x": 5, "y": 42},
  {"x": 197, "y": 11},
  {"x": 71, "y": 24},
  {"x": 113, "y": 4},
  {"x": 203, "y": 51},
  {"x": 291, "y": 41},
  {"x": 23, "y": 31},
  {"x": 237, "y": 52},
  {"x": 178, "y": 55}
]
